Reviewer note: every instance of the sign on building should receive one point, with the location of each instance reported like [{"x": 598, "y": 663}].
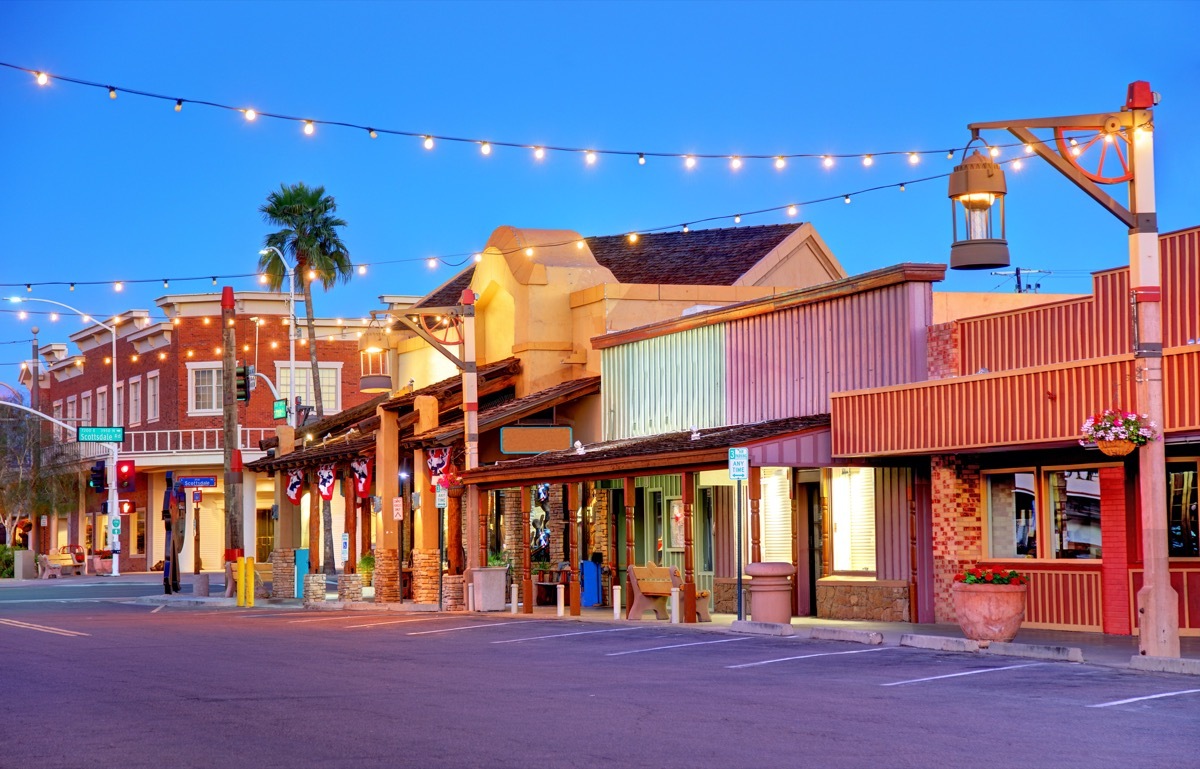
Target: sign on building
[
  {"x": 739, "y": 464},
  {"x": 100, "y": 435}
]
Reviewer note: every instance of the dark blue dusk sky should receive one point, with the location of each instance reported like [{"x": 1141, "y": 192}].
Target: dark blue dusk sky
[{"x": 101, "y": 189}]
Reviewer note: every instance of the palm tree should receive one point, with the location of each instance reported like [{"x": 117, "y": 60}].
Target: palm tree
[{"x": 309, "y": 235}]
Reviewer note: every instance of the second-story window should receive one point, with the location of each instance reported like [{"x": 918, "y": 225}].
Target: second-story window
[
  {"x": 204, "y": 392},
  {"x": 85, "y": 409},
  {"x": 152, "y": 396},
  {"x": 119, "y": 405},
  {"x": 135, "y": 401},
  {"x": 58, "y": 414},
  {"x": 102, "y": 406}
]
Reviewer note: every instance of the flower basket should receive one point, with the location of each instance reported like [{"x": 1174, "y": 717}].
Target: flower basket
[{"x": 1119, "y": 448}]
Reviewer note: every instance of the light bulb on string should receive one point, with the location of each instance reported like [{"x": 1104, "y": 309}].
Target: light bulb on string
[
  {"x": 685, "y": 228},
  {"x": 949, "y": 154},
  {"x": 431, "y": 263},
  {"x": 827, "y": 161},
  {"x": 22, "y": 315},
  {"x": 735, "y": 162},
  {"x": 478, "y": 258},
  {"x": 134, "y": 358},
  {"x": 780, "y": 163},
  {"x": 250, "y": 114},
  {"x": 54, "y": 316},
  {"x": 118, "y": 286},
  {"x": 633, "y": 237},
  {"x": 362, "y": 269},
  {"x": 529, "y": 252},
  {"x": 179, "y": 105},
  {"x": 913, "y": 158},
  {"x": 166, "y": 283},
  {"x": 309, "y": 128},
  {"x": 902, "y": 187},
  {"x": 162, "y": 356},
  {"x": 72, "y": 287},
  {"x": 262, "y": 278},
  {"x": 1028, "y": 149},
  {"x": 1016, "y": 164},
  {"x": 590, "y": 157},
  {"x": 847, "y": 199},
  {"x": 792, "y": 210},
  {"x": 994, "y": 151},
  {"x": 112, "y": 92},
  {"x": 485, "y": 148},
  {"x": 868, "y": 160},
  {"x": 427, "y": 142},
  {"x": 737, "y": 219},
  {"x": 371, "y": 132},
  {"x": 29, "y": 288},
  {"x": 214, "y": 280},
  {"x": 42, "y": 78},
  {"x": 579, "y": 244},
  {"x": 539, "y": 153},
  {"x": 1075, "y": 151},
  {"x": 689, "y": 161},
  {"x": 641, "y": 158}
]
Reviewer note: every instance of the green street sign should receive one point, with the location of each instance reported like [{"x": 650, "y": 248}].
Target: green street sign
[
  {"x": 100, "y": 435},
  {"x": 279, "y": 410}
]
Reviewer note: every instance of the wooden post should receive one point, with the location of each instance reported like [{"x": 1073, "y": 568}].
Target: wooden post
[
  {"x": 913, "y": 608},
  {"x": 826, "y": 524},
  {"x": 350, "y": 511},
  {"x": 527, "y": 583},
  {"x": 314, "y": 526},
  {"x": 689, "y": 552},
  {"x": 794, "y": 507},
  {"x": 454, "y": 558},
  {"x": 574, "y": 498},
  {"x": 364, "y": 510},
  {"x": 755, "y": 490},
  {"x": 485, "y": 509},
  {"x": 630, "y": 494}
]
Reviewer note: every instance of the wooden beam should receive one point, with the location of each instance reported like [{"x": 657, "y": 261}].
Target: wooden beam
[
  {"x": 527, "y": 584},
  {"x": 630, "y": 495},
  {"x": 689, "y": 553},
  {"x": 754, "y": 487},
  {"x": 574, "y": 498}
]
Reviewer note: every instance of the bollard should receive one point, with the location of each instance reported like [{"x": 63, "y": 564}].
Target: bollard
[
  {"x": 240, "y": 581},
  {"x": 560, "y": 589},
  {"x": 674, "y": 606},
  {"x": 616, "y": 602},
  {"x": 513, "y": 598},
  {"x": 250, "y": 582},
  {"x": 471, "y": 597}
]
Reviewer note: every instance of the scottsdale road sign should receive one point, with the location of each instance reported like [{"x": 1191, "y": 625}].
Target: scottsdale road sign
[{"x": 100, "y": 435}]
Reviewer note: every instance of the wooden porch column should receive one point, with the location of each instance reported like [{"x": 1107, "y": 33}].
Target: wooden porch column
[
  {"x": 755, "y": 490},
  {"x": 314, "y": 526},
  {"x": 527, "y": 583},
  {"x": 364, "y": 512},
  {"x": 350, "y": 510},
  {"x": 689, "y": 553},
  {"x": 485, "y": 509},
  {"x": 574, "y": 498},
  {"x": 454, "y": 556},
  {"x": 630, "y": 494}
]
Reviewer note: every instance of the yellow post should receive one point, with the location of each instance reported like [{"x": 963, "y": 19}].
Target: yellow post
[
  {"x": 240, "y": 576},
  {"x": 250, "y": 582}
]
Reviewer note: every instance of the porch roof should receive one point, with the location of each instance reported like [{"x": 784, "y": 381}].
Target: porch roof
[
  {"x": 666, "y": 452},
  {"x": 341, "y": 449}
]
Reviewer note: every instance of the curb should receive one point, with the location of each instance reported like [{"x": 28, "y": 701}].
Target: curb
[
  {"x": 1187, "y": 667},
  {"x": 750, "y": 627},
  {"x": 405, "y": 608},
  {"x": 939, "y": 643},
  {"x": 1037, "y": 651},
  {"x": 194, "y": 602},
  {"x": 868, "y": 637}
]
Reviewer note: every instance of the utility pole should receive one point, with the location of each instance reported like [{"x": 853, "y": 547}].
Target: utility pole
[
  {"x": 1019, "y": 273},
  {"x": 35, "y": 386},
  {"x": 229, "y": 403}
]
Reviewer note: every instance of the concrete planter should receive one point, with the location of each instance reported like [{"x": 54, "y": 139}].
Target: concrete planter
[
  {"x": 490, "y": 582},
  {"x": 989, "y": 613},
  {"x": 771, "y": 586}
]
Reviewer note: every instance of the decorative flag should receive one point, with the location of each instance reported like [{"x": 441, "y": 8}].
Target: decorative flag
[
  {"x": 437, "y": 461},
  {"x": 361, "y": 468},
  {"x": 295, "y": 486},
  {"x": 325, "y": 481}
]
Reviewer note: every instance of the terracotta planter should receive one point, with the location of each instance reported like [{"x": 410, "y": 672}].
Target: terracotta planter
[{"x": 989, "y": 613}]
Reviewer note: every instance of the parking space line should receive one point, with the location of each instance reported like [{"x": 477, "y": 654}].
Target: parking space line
[
  {"x": 391, "y": 622},
  {"x": 564, "y": 635},
  {"x": 472, "y": 627},
  {"x": 339, "y": 616},
  {"x": 41, "y": 628},
  {"x": 675, "y": 646},
  {"x": 1147, "y": 697},
  {"x": 965, "y": 673},
  {"x": 809, "y": 656},
  {"x": 157, "y": 610}
]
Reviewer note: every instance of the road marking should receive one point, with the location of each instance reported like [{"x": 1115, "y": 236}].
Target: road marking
[
  {"x": 967, "y": 673},
  {"x": 156, "y": 611},
  {"x": 564, "y": 635},
  {"x": 392, "y": 622},
  {"x": 809, "y": 656},
  {"x": 40, "y": 628},
  {"x": 472, "y": 627},
  {"x": 339, "y": 616},
  {"x": 1148, "y": 697},
  {"x": 676, "y": 646}
]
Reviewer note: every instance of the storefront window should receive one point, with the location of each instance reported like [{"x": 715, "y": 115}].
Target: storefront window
[
  {"x": 1183, "y": 533},
  {"x": 1012, "y": 515},
  {"x": 853, "y": 512},
  {"x": 1075, "y": 512}
]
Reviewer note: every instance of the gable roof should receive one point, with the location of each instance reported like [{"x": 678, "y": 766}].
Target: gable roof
[
  {"x": 450, "y": 292},
  {"x": 717, "y": 257}
]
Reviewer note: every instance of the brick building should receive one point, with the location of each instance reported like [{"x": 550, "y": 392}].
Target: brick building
[{"x": 169, "y": 399}]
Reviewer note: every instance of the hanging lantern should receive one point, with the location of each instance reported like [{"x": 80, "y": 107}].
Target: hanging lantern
[
  {"x": 976, "y": 187},
  {"x": 375, "y": 374}
]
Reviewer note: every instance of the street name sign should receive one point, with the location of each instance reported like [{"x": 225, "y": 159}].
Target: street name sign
[
  {"x": 198, "y": 482},
  {"x": 279, "y": 409},
  {"x": 100, "y": 435},
  {"x": 739, "y": 464}
]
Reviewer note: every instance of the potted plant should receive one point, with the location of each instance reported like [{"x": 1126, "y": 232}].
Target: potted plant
[
  {"x": 366, "y": 567},
  {"x": 490, "y": 583},
  {"x": 989, "y": 603},
  {"x": 1117, "y": 432}
]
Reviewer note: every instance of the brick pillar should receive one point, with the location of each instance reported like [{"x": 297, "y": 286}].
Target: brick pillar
[
  {"x": 957, "y": 526},
  {"x": 1116, "y": 535},
  {"x": 386, "y": 578},
  {"x": 454, "y": 596}
]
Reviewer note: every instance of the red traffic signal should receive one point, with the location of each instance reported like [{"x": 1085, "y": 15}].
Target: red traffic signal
[
  {"x": 126, "y": 507},
  {"x": 126, "y": 472}
]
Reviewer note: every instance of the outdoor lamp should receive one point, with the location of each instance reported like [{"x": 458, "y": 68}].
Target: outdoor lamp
[
  {"x": 975, "y": 187},
  {"x": 375, "y": 373}
]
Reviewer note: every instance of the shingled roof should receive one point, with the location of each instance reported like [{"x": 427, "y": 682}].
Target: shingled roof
[
  {"x": 717, "y": 257},
  {"x": 449, "y": 293}
]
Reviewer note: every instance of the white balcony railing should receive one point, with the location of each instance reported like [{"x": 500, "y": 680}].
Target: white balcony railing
[{"x": 177, "y": 442}]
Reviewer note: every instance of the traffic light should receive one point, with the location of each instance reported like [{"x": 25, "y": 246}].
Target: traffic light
[
  {"x": 126, "y": 507},
  {"x": 96, "y": 480},
  {"x": 243, "y": 375},
  {"x": 126, "y": 472}
]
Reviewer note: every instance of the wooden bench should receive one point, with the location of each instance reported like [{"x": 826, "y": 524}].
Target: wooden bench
[
  {"x": 545, "y": 586},
  {"x": 67, "y": 561},
  {"x": 702, "y": 596},
  {"x": 651, "y": 587}
]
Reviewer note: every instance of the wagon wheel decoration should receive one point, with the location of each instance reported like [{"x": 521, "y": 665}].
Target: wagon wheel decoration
[
  {"x": 447, "y": 329},
  {"x": 1101, "y": 153}
]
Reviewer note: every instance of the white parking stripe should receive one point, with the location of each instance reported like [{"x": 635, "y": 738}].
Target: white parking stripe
[
  {"x": 967, "y": 673},
  {"x": 1148, "y": 697},
  {"x": 472, "y": 627},
  {"x": 392, "y": 622},
  {"x": 339, "y": 616},
  {"x": 676, "y": 646},
  {"x": 809, "y": 656},
  {"x": 564, "y": 635},
  {"x": 157, "y": 610},
  {"x": 40, "y": 628}
]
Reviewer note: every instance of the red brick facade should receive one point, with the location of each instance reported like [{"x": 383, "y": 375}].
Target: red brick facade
[
  {"x": 957, "y": 526},
  {"x": 1116, "y": 523},
  {"x": 943, "y": 350}
]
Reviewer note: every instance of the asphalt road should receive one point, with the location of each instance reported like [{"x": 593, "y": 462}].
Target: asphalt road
[{"x": 108, "y": 683}]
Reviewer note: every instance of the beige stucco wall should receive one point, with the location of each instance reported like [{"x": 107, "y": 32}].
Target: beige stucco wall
[{"x": 955, "y": 305}]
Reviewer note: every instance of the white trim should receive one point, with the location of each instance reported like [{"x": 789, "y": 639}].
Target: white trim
[
  {"x": 85, "y": 411},
  {"x": 192, "y": 367},
  {"x": 118, "y": 405},
  {"x": 102, "y": 391},
  {"x": 56, "y": 410},
  {"x": 153, "y": 376},
  {"x": 134, "y": 419}
]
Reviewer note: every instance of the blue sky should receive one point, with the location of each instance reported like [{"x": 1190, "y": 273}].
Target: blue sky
[{"x": 101, "y": 189}]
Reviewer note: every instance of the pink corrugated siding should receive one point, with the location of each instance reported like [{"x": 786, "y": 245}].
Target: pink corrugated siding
[
  {"x": 787, "y": 363},
  {"x": 1181, "y": 287}
]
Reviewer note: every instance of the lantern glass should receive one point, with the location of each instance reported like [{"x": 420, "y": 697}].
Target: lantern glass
[{"x": 975, "y": 187}]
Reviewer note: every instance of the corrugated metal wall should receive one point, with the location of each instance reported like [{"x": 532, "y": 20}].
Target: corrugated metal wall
[
  {"x": 664, "y": 384},
  {"x": 787, "y": 363},
  {"x": 1181, "y": 279},
  {"x": 892, "y": 522}
]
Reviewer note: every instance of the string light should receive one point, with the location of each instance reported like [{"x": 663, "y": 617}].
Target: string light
[
  {"x": 118, "y": 286},
  {"x": 312, "y": 275},
  {"x": 54, "y": 316},
  {"x": 22, "y": 315},
  {"x": 72, "y": 286},
  {"x": 362, "y": 269},
  {"x": 166, "y": 283},
  {"x": 428, "y": 142},
  {"x": 949, "y": 154},
  {"x": 1028, "y": 149},
  {"x": 685, "y": 228},
  {"x": 431, "y": 263},
  {"x": 309, "y": 128},
  {"x": 1017, "y": 164},
  {"x": 214, "y": 280},
  {"x": 994, "y": 151},
  {"x": 579, "y": 244},
  {"x": 780, "y": 163},
  {"x": 633, "y": 237},
  {"x": 245, "y": 348},
  {"x": 190, "y": 353},
  {"x": 902, "y": 188},
  {"x": 737, "y": 219},
  {"x": 250, "y": 114},
  {"x": 590, "y": 157},
  {"x": 913, "y": 158},
  {"x": 112, "y": 92},
  {"x": 372, "y": 133},
  {"x": 792, "y": 210},
  {"x": 735, "y": 162},
  {"x": 641, "y": 159},
  {"x": 868, "y": 160},
  {"x": 539, "y": 153},
  {"x": 478, "y": 258},
  {"x": 847, "y": 199},
  {"x": 529, "y": 252},
  {"x": 107, "y": 360},
  {"x": 42, "y": 78},
  {"x": 134, "y": 358},
  {"x": 162, "y": 356},
  {"x": 29, "y": 287},
  {"x": 216, "y": 351},
  {"x": 689, "y": 161},
  {"x": 262, "y": 279},
  {"x": 827, "y": 161},
  {"x": 206, "y": 321},
  {"x": 485, "y": 148}
]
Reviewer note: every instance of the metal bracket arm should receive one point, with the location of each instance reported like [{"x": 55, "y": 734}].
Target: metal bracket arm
[{"x": 421, "y": 332}]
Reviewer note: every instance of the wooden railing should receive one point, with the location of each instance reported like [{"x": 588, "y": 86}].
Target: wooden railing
[
  {"x": 1185, "y": 578},
  {"x": 1062, "y": 598}
]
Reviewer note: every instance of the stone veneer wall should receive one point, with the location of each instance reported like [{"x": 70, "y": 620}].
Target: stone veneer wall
[
  {"x": 725, "y": 595},
  {"x": 598, "y": 533},
  {"x": 386, "y": 578},
  {"x": 454, "y": 596},
  {"x": 884, "y": 600},
  {"x": 958, "y": 511},
  {"x": 510, "y": 502},
  {"x": 426, "y": 568},
  {"x": 283, "y": 574},
  {"x": 555, "y": 522},
  {"x": 314, "y": 588},
  {"x": 349, "y": 587}
]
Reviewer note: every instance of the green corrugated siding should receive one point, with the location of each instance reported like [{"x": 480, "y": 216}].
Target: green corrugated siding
[{"x": 664, "y": 384}]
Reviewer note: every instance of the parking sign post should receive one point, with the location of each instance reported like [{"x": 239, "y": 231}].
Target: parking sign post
[{"x": 739, "y": 470}]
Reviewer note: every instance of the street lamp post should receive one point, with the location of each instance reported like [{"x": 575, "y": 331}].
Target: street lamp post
[
  {"x": 1130, "y": 128},
  {"x": 291, "y": 273},
  {"x": 112, "y": 469}
]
